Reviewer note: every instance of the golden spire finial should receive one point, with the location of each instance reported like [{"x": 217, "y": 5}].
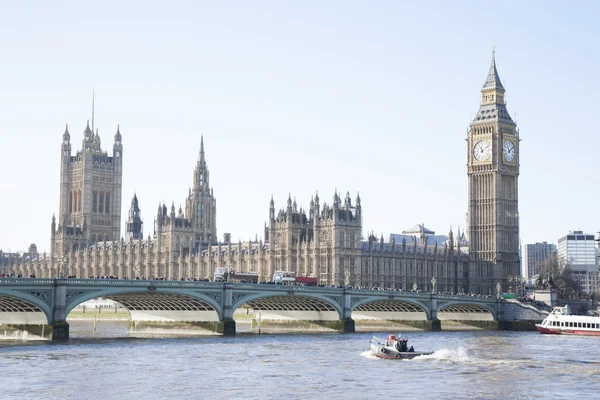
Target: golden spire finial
[{"x": 493, "y": 48}]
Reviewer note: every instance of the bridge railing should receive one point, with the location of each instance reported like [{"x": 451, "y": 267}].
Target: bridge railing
[
  {"x": 26, "y": 281},
  {"x": 238, "y": 286},
  {"x": 139, "y": 282}
]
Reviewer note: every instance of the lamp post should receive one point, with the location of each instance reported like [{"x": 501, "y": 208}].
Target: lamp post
[
  {"x": 414, "y": 286},
  {"x": 433, "y": 282},
  {"x": 510, "y": 281},
  {"x": 498, "y": 288},
  {"x": 346, "y": 277},
  {"x": 228, "y": 270},
  {"x": 63, "y": 263}
]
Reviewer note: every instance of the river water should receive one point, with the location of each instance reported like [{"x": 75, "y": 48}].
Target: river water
[{"x": 465, "y": 365}]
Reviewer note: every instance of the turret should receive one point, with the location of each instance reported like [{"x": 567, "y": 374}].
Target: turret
[{"x": 134, "y": 222}]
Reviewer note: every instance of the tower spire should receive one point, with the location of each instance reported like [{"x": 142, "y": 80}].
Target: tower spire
[
  {"x": 493, "y": 79},
  {"x": 202, "y": 149},
  {"x": 93, "y": 98}
]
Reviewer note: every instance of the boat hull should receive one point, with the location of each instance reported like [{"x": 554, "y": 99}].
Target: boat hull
[
  {"x": 555, "y": 331},
  {"x": 381, "y": 352}
]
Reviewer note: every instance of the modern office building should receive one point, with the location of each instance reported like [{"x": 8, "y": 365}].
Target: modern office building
[
  {"x": 533, "y": 255},
  {"x": 578, "y": 251}
]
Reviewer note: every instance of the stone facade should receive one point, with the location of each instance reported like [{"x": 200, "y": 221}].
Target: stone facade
[
  {"x": 324, "y": 241},
  {"x": 493, "y": 208},
  {"x": 90, "y": 194}
]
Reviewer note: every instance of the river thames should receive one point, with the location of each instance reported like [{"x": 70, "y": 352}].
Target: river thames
[{"x": 465, "y": 365}]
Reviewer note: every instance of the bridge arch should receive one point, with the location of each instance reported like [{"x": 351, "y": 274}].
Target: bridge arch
[
  {"x": 141, "y": 300},
  {"x": 19, "y": 302},
  {"x": 395, "y": 305},
  {"x": 290, "y": 302},
  {"x": 467, "y": 310}
]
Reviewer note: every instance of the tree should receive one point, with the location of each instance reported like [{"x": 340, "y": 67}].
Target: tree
[{"x": 558, "y": 276}]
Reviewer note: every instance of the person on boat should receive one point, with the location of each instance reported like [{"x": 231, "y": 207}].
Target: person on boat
[{"x": 411, "y": 350}]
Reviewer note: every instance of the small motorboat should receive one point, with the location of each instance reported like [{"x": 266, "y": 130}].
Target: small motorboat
[{"x": 395, "y": 348}]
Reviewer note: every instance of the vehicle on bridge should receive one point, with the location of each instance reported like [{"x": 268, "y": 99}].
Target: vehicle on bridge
[
  {"x": 562, "y": 322},
  {"x": 220, "y": 275},
  {"x": 290, "y": 278},
  {"x": 394, "y": 348},
  {"x": 243, "y": 277}
]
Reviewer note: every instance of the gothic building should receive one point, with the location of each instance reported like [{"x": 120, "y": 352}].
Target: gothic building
[
  {"x": 324, "y": 240},
  {"x": 493, "y": 171},
  {"x": 90, "y": 194}
]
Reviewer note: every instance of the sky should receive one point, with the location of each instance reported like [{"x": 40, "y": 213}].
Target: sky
[{"x": 299, "y": 97}]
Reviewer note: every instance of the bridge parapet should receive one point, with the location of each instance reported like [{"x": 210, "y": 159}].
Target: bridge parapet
[
  {"x": 26, "y": 281},
  {"x": 139, "y": 282}
]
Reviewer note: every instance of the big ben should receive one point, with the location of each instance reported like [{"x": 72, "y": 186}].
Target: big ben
[{"x": 493, "y": 171}]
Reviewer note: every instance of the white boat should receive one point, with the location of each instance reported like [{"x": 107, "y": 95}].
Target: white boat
[
  {"x": 394, "y": 348},
  {"x": 562, "y": 322}
]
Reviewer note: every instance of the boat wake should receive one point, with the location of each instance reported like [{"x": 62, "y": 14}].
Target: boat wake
[
  {"x": 368, "y": 354},
  {"x": 456, "y": 355}
]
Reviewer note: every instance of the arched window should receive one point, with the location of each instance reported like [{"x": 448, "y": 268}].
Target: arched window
[
  {"x": 101, "y": 202},
  {"x": 95, "y": 202},
  {"x": 107, "y": 203},
  {"x": 70, "y": 202},
  {"x": 79, "y": 200}
]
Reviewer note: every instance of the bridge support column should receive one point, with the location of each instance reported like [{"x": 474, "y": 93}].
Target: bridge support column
[
  {"x": 226, "y": 327},
  {"x": 347, "y": 321},
  {"x": 227, "y": 324},
  {"x": 60, "y": 326},
  {"x": 436, "y": 324}
]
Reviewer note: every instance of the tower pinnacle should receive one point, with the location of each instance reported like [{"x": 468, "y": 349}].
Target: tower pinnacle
[
  {"x": 202, "y": 161},
  {"x": 493, "y": 79}
]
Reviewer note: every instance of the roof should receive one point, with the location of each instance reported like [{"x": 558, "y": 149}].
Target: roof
[
  {"x": 410, "y": 239},
  {"x": 492, "y": 113},
  {"x": 418, "y": 228},
  {"x": 493, "y": 79}
]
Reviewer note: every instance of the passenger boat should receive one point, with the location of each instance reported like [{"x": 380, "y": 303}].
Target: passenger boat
[
  {"x": 561, "y": 322},
  {"x": 394, "y": 348}
]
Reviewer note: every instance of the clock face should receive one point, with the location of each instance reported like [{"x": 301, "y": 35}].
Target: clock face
[
  {"x": 482, "y": 150},
  {"x": 509, "y": 151}
]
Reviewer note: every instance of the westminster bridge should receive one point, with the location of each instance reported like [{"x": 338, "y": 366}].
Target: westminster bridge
[{"x": 41, "y": 306}]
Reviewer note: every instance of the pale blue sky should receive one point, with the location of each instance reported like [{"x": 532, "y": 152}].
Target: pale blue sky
[{"x": 373, "y": 97}]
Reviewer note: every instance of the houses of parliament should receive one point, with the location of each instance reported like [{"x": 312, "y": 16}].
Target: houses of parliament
[{"x": 325, "y": 240}]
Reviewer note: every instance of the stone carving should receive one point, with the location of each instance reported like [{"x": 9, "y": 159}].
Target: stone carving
[
  {"x": 216, "y": 296},
  {"x": 238, "y": 295},
  {"x": 355, "y": 300},
  {"x": 337, "y": 299},
  {"x": 43, "y": 295},
  {"x": 71, "y": 295}
]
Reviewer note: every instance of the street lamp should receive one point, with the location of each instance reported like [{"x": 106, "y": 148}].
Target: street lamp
[
  {"x": 510, "y": 280},
  {"x": 63, "y": 263},
  {"x": 346, "y": 278},
  {"x": 415, "y": 286},
  {"x": 433, "y": 282},
  {"x": 498, "y": 288}
]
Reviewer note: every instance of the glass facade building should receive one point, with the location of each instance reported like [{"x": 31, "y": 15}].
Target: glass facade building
[
  {"x": 578, "y": 251},
  {"x": 533, "y": 255}
]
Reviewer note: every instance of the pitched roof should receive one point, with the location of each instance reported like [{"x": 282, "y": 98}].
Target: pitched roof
[{"x": 493, "y": 79}]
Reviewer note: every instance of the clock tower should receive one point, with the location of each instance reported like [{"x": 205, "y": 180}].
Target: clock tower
[{"x": 493, "y": 210}]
